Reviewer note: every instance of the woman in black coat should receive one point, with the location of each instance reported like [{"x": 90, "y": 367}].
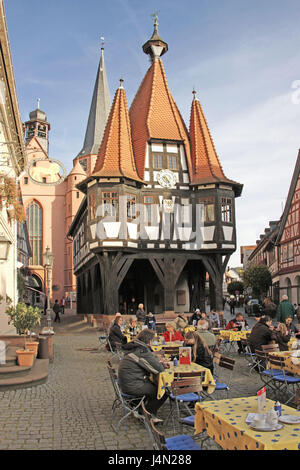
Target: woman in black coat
[
  {"x": 261, "y": 333},
  {"x": 115, "y": 334}
]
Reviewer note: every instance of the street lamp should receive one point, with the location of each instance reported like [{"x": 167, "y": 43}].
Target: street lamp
[
  {"x": 4, "y": 247},
  {"x": 48, "y": 259}
]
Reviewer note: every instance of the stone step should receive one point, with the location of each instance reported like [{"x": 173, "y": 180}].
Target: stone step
[
  {"x": 13, "y": 371},
  {"x": 10, "y": 357},
  {"x": 37, "y": 375}
]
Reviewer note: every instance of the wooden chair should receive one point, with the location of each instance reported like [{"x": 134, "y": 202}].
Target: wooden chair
[
  {"x": 159, "y": 442},
  {"x": 186, "y": 390},
  {"x": 172, "y": 351},
  {"x": 273, "y": 347},
  {"x": 223, "y": 362}
]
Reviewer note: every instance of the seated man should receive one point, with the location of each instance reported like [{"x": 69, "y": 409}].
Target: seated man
[
  {"x": 208, "y": 336},
  {"x": 135, "y": 369},
  {"x": 237, "y": 323},
  {"x": 150, "y": 321},
  {"x": 195, "y": 317},
  {"x": 214, "y": 320}
]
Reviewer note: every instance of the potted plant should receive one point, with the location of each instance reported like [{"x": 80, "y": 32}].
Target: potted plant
[{"x": 24, "y": 318}]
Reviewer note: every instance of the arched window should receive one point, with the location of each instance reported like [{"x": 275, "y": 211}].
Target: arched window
[
  {"x": 298, "y": 289},
  {"x": 34, "y": 218}
]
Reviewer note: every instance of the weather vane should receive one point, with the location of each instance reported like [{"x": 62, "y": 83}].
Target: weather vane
[
  {"x": 155, "y": 16},
  {"x": 102, "y": 42}
]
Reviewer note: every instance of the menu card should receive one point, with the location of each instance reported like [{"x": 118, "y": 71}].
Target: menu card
[
  {"x": 261, "y": 399},
  {"x": 185, "y": 355}
]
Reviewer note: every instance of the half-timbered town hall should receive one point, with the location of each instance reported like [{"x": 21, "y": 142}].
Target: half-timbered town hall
[{"x": 158, "y": 216}]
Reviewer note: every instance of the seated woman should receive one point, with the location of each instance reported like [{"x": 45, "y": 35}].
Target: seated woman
[
  {"x": 150, "y": 321},
  {"x": 132, "y": 327},
  {"x": 115, "y": 334},
  {"x": 292, "y": 329},
  {"x": 261, "y": 333},
  {"x": 171, "y": 334},
  {"x": 181, "y": 323},
  {"x": 282, "y": 337},
  {"x": 201, "y": 353}
]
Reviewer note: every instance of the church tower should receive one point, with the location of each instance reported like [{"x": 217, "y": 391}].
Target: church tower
[
  {"x": 99, "y": 111},
  {"x": 84, "y": 162},
  {"x": 38, "y": 127}
]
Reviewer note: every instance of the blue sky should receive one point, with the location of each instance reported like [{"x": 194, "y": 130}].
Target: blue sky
[{"x": 241, "y": 56}]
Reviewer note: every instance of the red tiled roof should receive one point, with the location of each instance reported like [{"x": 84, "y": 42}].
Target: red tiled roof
[
  {"x": 115, "y": 157},
  {"x": 154, "y": 115},
  {"x": 206, "y": 164}
]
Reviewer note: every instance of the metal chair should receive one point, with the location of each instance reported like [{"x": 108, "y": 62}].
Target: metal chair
[
  {"x": 115, "y": 351},
  {"x": 129, "y": 403},
  {"x": 253, "y": 363},
  {"x": 289, "y": 383},
  {"x": 268, "y": 375},
  {"x": 223, "y": 362},
  {"x": 102, "y": 335},
  {"x": 159, "y": 442}
]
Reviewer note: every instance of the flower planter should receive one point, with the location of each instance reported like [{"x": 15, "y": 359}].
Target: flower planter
[
  {"x": 25, "y": 357},
  {"x": 33, "y": 346}
]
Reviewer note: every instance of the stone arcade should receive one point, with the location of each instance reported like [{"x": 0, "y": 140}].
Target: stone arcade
[{"x": 158, "y": 216}]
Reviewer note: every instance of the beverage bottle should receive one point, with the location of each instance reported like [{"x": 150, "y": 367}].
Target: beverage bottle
[
  {"x": 175, "y": 362},
  {"x": 277, "y": 408}
]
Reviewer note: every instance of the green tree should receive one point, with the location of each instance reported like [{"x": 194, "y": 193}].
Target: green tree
[
  {"x": 235, "y": 286},
  {"x": 259, "y": 279}
]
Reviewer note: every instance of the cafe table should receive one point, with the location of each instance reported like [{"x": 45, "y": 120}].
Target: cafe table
[
  {"x": 166, "y": 377},
  {"x": 232, "y": 335},
  {"x": 224, "y": 422},
  {"x": 160, "y": 346},
  {"x": 291, "y": 364}
]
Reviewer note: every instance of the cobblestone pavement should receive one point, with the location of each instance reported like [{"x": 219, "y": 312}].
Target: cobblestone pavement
[{"x": 72, "y": 410}]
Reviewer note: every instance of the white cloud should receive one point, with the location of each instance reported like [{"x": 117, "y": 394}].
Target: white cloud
[{"x": 258, "y": 147}]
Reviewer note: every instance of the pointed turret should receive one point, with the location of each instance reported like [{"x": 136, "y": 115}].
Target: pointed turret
[
  {"x": 115, "y": 158},
  {"x": 206, "y": 165},
  {"x": 99, "y": 111},
  {"x": 154, "y": 115}
]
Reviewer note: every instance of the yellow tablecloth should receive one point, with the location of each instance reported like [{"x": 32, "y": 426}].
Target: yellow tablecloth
[
  {"x": 189, "y": 328},
  {"x": 166, "y": 377},
  {"x": 289, "y": 366},
  {"x": 231, "y": 335},
  {"x": 224, "y": 421}
]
